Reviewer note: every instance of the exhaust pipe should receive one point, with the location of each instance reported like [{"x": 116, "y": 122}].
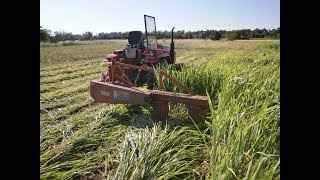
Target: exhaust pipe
[
  {"x": 172, "y": 55},
  {"x": 173, "y": 60}
]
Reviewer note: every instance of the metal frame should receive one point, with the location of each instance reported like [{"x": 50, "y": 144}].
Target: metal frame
[
  {"x": 108, "y": 91},
  {"x": 118, "y": 66},
  {"x": 155, "y": 29}
]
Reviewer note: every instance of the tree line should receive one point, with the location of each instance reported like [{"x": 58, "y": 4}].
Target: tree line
[{"x": 57, "y": 36}]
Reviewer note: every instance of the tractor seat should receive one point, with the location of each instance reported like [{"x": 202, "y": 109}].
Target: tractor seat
[{"x": 135, "y": 37}]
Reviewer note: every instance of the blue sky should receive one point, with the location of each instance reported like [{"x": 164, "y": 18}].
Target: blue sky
[{"x": 79, "y": 16}]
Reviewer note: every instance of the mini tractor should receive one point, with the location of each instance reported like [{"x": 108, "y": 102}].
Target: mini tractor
[{"x": 128, "y": 71}]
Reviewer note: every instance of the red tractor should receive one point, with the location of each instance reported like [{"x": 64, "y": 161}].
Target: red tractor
[
  {"x": 145, "y": 51},
  {"x": 129, "y": 69}
]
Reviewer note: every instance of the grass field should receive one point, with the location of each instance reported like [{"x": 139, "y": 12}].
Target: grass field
[{"x": 239, "y": 140}]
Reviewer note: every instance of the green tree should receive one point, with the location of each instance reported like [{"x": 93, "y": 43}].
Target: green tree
[
  {"x": 278, "y": 33},
  {"x": 58, "y": 36},
  {"x": 257, "y": 33},
  {"x": 203, "y": 35},
  {"x": 87, "y": 36},
  {"x": 62, "y": 36},
  {"x": 44, "y": 34},
  {"x": 215, "y": 35},
  {"x": 264, "y": 33},
  {"x": 77, "y": 37},
  {"x": 189, "y": 35},
  {"x": 232, "y": 35}
]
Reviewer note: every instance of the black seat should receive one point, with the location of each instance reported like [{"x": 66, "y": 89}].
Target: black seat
[{"x": 135, "y": 37}]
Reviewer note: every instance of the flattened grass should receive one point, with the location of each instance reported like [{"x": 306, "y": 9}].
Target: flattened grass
[{"x": 239, "y": 140}]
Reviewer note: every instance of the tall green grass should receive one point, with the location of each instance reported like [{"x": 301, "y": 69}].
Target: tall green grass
[
  {"x": 240, "y": 138},
  {"x": 159, "y": 153}
]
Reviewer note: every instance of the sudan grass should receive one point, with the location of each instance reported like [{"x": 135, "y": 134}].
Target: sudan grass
[
  {"x": 67, "y": 65},
  {"x": 81, "y": 152},
  {"x": 210, "y": 44},
  {"x": 242, "y": 140},
  {"x": 244, "y": 130},
  {"x": 239, "y": 140},
  {"x": 244, "y": 115},
  {"x": 73, "y": 75},
  {"x": 56, "y": 54},
  {"x": 68, "y": 70},
  {"x": 158, "y": 153},
  {"x": 46, "y": 88}
]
